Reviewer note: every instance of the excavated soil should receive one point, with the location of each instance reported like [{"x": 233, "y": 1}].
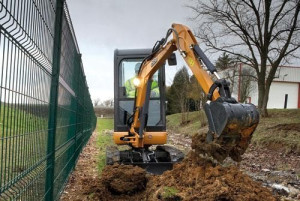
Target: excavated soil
[
  {"x": 213, "y": 149},
  {"x": 196, "y": 178},
  {"x": 219, "y": 148},
  {"x": 199, "y": 178},
  {"x": 124, "y": 179}
]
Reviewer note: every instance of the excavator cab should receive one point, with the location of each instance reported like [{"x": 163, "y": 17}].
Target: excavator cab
[
  {"x": 127, "y": 63},
  {"x": 155, "y": 159}
]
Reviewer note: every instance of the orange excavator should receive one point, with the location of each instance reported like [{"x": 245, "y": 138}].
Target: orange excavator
[{"x": 140, "y": 118}]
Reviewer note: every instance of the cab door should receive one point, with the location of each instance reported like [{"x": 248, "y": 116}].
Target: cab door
[{"x": 125, "y": 69}]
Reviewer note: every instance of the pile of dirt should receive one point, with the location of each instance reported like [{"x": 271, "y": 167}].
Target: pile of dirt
[
  {"x": 124, "y": 179},
  {"x": 120, "y": 183},
  {"x": 198, "y": 178},
  {"x": 195, "y": 178}
]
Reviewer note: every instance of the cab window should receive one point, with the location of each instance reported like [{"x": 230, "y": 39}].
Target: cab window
[{"x": 128, "y": 70}]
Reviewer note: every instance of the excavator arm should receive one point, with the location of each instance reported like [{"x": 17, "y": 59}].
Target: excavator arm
[{"x": 228, "y": 120}]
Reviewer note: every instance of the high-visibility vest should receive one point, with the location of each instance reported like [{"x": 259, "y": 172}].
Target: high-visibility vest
[{"x": 130, "y": 88}]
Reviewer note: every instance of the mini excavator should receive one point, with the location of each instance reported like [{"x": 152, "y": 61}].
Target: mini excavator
[{"x": 140, "y": 120}]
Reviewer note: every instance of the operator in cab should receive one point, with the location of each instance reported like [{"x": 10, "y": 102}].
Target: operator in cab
[{"x": 130, "y": 88}]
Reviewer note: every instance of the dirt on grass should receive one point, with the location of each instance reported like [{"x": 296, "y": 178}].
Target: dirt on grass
[{"x": 287, "y": 127}]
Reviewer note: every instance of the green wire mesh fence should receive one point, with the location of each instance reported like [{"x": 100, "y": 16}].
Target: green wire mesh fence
[{"x": 46, "y": 113}]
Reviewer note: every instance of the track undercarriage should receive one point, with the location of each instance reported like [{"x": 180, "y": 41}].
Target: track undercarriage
[{"x": 154, "y": 161}]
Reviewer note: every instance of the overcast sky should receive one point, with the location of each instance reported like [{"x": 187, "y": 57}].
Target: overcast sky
[{"x": 101, "y": 26}]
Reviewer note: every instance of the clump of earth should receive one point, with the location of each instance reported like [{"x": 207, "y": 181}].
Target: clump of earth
[{"x": 124, "y": 179}]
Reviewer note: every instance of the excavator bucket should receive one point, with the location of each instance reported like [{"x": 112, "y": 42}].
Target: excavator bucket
[{"x": 231, "y": 125}]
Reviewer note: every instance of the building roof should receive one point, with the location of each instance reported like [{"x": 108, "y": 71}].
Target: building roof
[{"x": 287, "y": 74}]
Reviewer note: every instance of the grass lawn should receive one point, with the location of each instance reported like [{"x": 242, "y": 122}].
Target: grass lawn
[
  {"x": 269, "y": 134},
  {"x": 195, "y": 120},
  {"x": 104, "y": 139},
  {"x": 14, "y": 121},
  {"x": 23, "y": 141}
]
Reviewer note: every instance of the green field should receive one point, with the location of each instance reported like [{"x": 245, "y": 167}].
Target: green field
[
  {"x": 269, "y": 134},
  {"x": 196, "y": 119},
  {"x": 23, "y": 138},
  {"x": 14, "y": 121}
]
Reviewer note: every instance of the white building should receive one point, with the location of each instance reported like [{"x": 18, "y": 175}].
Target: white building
[
  {"x": 286, "y": 85},
  {"x": 285, "y": 88}
]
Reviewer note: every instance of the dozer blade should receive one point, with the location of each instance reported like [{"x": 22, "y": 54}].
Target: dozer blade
[
  {"x": 231, "y": 125},
  {"x": 153, "y": 161}
]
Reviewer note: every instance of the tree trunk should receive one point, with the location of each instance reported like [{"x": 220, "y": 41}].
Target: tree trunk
[
  {"x": 263, "y": 97},
  {"x": 264, "y": 111},
  {"x": 261, "y": 92},
  {"x": 187, "y": 110},
  {"x": 263, "y": 89},
  {"x": 182, "y": 116},
  {"x": 182, "y": 111}
]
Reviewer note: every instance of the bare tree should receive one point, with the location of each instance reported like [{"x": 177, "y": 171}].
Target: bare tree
[
  {"x": 261, "y": 33},
  {"x": 108, "y": 103},
  {"x": 96, "y": 102},
  {"x": 246, "y": 83}
]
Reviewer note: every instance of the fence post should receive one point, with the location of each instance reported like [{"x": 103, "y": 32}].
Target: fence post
[
  {"x": 77, "y": 72},
  {"x": 53, "y": 100}
]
